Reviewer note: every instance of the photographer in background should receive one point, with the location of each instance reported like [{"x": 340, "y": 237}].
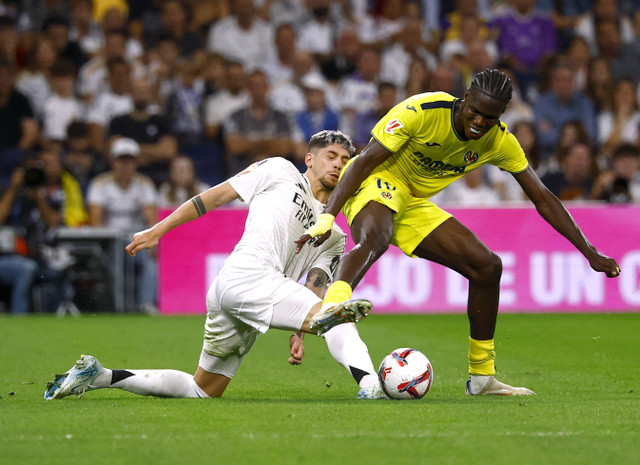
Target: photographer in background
[
  {"x": 40, "y": 197},
  {"x": 620, "y": 184}
]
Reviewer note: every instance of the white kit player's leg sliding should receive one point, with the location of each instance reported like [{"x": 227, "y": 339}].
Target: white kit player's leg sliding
[
  {"x": 349, "y": 311},
  {"x": 87, "y": 374},
  {"x": 75, "y": 381},
  {"x": 490, "y": 386},
  {"x": 346, "y": 346}
]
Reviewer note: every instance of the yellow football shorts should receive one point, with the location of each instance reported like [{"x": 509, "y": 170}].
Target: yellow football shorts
[{"x": 415, "y": 217}]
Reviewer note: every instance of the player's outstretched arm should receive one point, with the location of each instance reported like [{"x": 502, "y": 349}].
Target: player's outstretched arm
[
  {"x": 552, "y": 210},
  {"x": 373, "y": 155},
  {"x": 193, "y": 208}
]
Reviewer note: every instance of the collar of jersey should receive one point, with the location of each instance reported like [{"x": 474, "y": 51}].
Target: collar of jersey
[{"x": 453, "y": 123}]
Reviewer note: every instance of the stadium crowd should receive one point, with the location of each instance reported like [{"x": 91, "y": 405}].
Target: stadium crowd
[{"x": 111, "y": 109}]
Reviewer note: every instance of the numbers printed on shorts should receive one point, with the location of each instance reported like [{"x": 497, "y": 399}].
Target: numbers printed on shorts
[{"x": 385, "y": 185}]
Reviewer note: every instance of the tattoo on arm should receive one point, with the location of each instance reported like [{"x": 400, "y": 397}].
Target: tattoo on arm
[
  {"x": 199, "y": 204},
  {"x": 317, "y": 278}
]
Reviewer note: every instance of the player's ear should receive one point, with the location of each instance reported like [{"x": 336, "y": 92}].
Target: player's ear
[{"x": 308, "y": 159}]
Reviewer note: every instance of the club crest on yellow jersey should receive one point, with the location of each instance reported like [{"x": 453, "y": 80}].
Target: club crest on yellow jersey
[{"x": 471, "y": 157}]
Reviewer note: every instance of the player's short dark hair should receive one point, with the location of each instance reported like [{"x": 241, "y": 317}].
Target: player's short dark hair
[
  {"x": 493, "y": 83},
  {"x": 327, "y": 137}
]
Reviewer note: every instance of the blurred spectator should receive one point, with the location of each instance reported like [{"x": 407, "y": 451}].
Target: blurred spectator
[
  {"x": 417, "y": 79},
  {"x": 365, "y": 121},
  {"x": 242, "y": 36},
  {"x": 219, "y": 106},
  {"x": 163, "y": 67},
  {"x": 79, "y": 160},
  {"x": 278, "y": 66},
  {"x": 451, "y": 26},
  {"x": 84, "y": 30},
  {"x": 560, "y": 105},
  {"x": 387, "y": 20},
  {"x": 526, "y": 36},
  {"x": 150, "y": 131},
  {"x": 257, "y": 131},
  {"x": 342, "y": 62},
  {"x": 600, "y": 84},
  {"x": 316, "y": 36},
  {"x": 472, "y": 31},
  {"x": 575, "y": 178},
  {"x": 473, "y": 190},
  {"x": 288, "y": 96},
  {"x": 126, "y": 201},
  {"x": 448, "y": 79},
  {"x": 621, "y": 183},
  {"x": 184, "y": 107},
  {"x": 624, "y": 59},
  {"x": 182, "y": 185},
  {"x": 603, "y": 10},
  {"x": 579, "y": 56},
  {"x": 503, "y": 182},
  {"x": 619, "y": 125},
  {"x": 176, "y": 17},
  {"x": 359, "y": 90},
  {"x": 571, "y": 133},
  {"x": 33, "y": 81},
  {"x": 61, "y": 107},
  {"x": 115, "y": 19},
  {"x": 18, "y": 128},
  {"x": 56, "y": 28},
  {"x": 93, "y": 77},
  {"x": 41, "y": 197},
  {"x": 213, "y": 72},
  {"x": 317, "y": 116},
  {"x": 397, "y": 57},
  {"x": 17, "y": 272},
  {"x": 115, "y": 101},
  {"x": 9, "y": 44}
]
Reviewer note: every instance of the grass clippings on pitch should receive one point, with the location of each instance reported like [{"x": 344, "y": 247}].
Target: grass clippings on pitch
[{"x": 584, "y": 368}]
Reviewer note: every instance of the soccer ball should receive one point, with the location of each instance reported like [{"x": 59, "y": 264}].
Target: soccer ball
[{"x": 405, "y": 374}]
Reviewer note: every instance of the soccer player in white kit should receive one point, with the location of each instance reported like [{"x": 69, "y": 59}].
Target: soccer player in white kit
[{"x": 257, "y": 287}]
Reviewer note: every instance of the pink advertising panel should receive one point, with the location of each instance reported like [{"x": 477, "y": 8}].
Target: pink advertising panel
[{"x": 543, "y": 272}]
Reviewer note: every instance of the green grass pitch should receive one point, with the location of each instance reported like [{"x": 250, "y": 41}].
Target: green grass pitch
[{"x": 584, "y": 368}]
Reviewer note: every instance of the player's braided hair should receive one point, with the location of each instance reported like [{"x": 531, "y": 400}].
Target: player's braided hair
[
  {"x": 493, "y": 83},
  {"x": 325, "y": 138}
]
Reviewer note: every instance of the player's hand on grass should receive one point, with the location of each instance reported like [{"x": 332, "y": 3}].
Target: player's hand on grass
[
  {"x": 296, "y": 348},
  {"x": 321, "y": 230},
  {"x": 604, "y": 264},
  {"x": 146, "y": 239}
]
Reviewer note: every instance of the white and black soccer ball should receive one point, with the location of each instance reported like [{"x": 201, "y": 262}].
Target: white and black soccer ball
[{"x": 405, "y": 374}]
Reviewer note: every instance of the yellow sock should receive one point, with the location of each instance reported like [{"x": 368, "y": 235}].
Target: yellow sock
[
  {"x": 482, "y": 357},
  {"x": 339, "y": 291}
]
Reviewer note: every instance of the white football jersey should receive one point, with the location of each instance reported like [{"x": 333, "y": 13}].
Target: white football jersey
[{"x": 281, "y": 208}]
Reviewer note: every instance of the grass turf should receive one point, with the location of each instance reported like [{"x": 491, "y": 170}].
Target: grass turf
[{"x": 584, "y": 368}]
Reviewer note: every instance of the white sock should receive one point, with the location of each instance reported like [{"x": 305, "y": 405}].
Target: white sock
[
  {"x": 351, "y": 352},
  {"x": 478, "y": 382},
  {"x": 161, "y": 383}
]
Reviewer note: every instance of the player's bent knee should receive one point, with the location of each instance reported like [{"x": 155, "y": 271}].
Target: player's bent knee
[{"x": 489, "y": 268}]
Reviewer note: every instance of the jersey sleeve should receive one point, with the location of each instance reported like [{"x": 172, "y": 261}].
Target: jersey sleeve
[
  {"x": 395, "y": 128},
  {"x": 510, "y": 155},
  {"x": 259, "y": 177}
]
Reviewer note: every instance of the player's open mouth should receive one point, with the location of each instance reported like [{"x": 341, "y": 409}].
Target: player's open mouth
[{"x": 475, "y": 132}]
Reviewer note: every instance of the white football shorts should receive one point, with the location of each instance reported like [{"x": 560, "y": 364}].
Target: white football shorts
[{"x": 245, "y": 299}]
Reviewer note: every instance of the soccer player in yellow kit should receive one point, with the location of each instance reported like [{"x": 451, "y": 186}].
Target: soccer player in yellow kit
[{"x": 422, "y": 145}]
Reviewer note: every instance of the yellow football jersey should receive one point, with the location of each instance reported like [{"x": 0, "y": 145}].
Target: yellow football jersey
[{"x": 428, "y": 152}]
